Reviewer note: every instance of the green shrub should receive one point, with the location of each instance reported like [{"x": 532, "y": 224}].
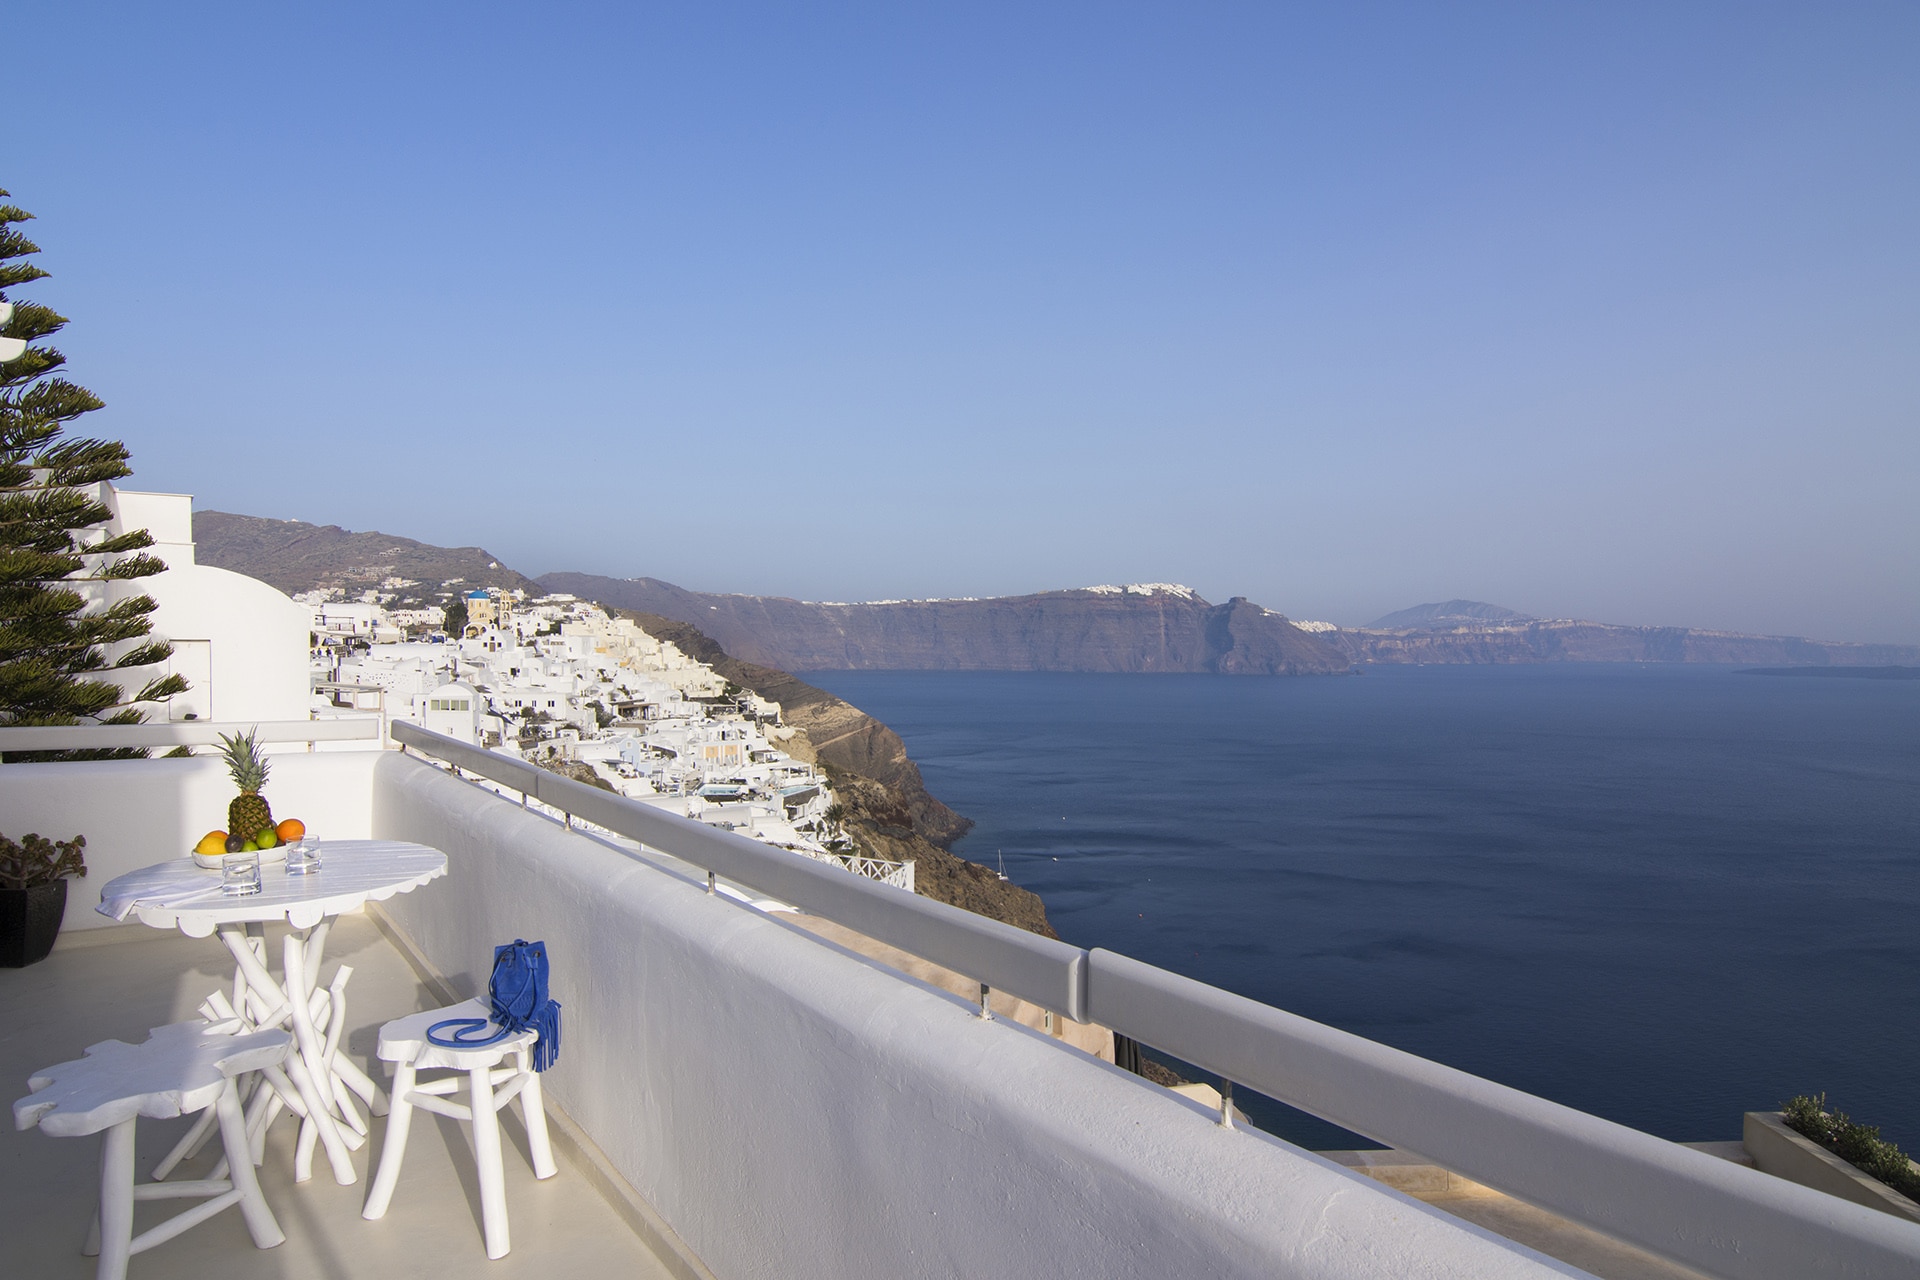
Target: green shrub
[{"x": 1858, "y": 1144}]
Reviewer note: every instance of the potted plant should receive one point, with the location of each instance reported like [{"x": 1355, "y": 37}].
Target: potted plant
[{"x": 33, "y": 895}]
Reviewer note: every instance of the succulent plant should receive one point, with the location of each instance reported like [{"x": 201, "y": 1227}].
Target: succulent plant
[{"x": 40, "y": 861}]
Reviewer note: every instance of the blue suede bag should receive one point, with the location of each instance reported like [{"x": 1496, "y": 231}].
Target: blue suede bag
[{"x": 517, "y": 1000}]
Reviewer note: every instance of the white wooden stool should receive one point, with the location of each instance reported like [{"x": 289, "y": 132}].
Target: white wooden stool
[
  {"x": 490, "y": 1087},
  {"x": 180, "y": 1069}
]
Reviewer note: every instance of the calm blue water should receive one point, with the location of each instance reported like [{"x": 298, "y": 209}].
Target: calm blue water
[{"x": 1663, "y": 894}]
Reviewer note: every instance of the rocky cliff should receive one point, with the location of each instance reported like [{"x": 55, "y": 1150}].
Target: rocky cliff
[
  {"x": 1156, "y": 628},
  {"x": 889, "y": 812}
]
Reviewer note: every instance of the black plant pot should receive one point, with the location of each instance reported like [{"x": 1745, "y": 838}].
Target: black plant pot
[{"x": 29, "y": 922}]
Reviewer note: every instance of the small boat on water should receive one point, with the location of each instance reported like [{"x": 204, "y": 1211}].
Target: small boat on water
[{"x": 1003, "y": 864}]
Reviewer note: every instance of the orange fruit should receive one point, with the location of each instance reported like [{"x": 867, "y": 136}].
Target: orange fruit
[{"x": 290, "y": 830}]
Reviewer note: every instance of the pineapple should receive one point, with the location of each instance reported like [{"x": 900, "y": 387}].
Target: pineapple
[{"x": 248, "y": 815}]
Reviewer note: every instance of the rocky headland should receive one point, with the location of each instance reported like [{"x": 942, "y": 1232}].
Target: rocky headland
[
  {"x": 1144, "y": 628},
  {"x": 889, "y": 812}
]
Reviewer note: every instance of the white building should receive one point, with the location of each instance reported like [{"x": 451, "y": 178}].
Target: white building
[
  {"x": 240, "y": 644},
  {"x": 455, "y": 710},
  {"x": 345, "y": 618}
]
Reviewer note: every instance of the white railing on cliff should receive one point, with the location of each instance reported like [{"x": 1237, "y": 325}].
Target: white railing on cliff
[
  {"x": 897, "y": 874},
  {"x": 1721, "y": 1218}
]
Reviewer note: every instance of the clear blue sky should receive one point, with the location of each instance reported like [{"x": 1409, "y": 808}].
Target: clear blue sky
[{"x": 1595, "y": 310}]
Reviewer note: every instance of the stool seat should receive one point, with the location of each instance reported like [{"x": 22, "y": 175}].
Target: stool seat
[
  {"x": 180, "y": 1069},
  {"x": 405, "y": 1040}
]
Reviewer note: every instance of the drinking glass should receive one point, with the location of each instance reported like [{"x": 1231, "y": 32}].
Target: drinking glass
[
  {"x": 240, "y": 874},
  {"x": 303, "y": 857}
]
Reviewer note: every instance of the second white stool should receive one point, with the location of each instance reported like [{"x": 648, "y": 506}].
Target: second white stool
[
  {"x": 490, "y": 1087},
  {"x": 177, "y": 1070}
]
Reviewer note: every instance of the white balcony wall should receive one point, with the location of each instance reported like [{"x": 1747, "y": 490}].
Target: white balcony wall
[
  {"x": 789, "y": 1108},
  {"x": 138, "y": 812}
]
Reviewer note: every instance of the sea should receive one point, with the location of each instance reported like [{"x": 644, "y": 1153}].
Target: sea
[{"x": 1663, "y": 894}]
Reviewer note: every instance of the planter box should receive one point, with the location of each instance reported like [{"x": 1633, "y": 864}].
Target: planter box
[
  {"x": 29, "y": 922},
  {"x": 1780, "y": 1151}
]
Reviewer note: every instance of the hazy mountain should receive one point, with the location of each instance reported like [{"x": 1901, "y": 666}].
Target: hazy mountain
[
  {"x": 295, "y": 556},
  {"x": 1143, "y": 628},
  {"x": 1445, "y": 617},
  {"x": 1562, "y": 640}
]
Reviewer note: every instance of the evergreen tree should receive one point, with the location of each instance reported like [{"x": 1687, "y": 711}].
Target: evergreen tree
[{"x": 66, "y": 655}]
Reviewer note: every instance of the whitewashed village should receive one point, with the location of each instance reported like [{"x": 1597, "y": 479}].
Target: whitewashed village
[{"x": 558, "y": 682}]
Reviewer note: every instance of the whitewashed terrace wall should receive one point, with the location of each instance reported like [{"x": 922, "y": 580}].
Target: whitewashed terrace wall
[
  {"x": 138, "y": 812},
  {"x": 791, "y": 1109}
]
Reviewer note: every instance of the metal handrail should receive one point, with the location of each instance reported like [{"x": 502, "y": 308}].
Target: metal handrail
[
  {"x": 1045, "y": 971},
  {"x": 1711, "y": 1214},
  {"x": 183, "y": 733},
  {"x": 1706, "y": 1212}
]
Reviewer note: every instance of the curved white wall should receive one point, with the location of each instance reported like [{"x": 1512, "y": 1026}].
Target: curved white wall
[
  {"x": 790, "y": 1108},
  {"x": 256, "y": 637},
  {"x": 240, "y": 642}
]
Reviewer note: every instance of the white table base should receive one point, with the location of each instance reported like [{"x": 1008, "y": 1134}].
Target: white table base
[{"x": 317, "y": 1082}]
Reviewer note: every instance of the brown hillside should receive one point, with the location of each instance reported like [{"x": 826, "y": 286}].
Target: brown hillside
[{"x": 294, "y": 557}]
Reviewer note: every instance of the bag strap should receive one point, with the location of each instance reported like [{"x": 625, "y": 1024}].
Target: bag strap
[{"x": 468, "y": 1034}]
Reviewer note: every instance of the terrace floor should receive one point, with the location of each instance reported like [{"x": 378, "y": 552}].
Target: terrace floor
[{"x": 101, "y": 990}]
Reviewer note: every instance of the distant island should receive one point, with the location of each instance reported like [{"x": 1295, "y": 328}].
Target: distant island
[
  {"x": 1136, "y": 628},
  {"x": 1472, "y": 631},
  {"x": 1856, "y": 673}
]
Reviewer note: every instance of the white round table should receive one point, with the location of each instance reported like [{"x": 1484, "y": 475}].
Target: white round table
[{"x": 179, "y": 894}]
